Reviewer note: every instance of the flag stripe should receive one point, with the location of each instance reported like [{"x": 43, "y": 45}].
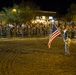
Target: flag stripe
[{"x": 54, "y": 34}]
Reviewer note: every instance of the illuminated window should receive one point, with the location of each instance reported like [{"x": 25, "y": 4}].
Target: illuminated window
[
  {"x": 43, "y": 17},
  {"x": 37, "y": 17},
  {"x": 50, "y": 17}
]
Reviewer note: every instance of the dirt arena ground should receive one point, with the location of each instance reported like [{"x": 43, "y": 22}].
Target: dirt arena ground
[{"x": 31, "y": 56}]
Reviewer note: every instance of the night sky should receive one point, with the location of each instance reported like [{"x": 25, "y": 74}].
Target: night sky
[{"x": 46, "y": 5}]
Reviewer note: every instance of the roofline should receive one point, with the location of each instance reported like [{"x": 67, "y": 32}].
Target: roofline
[{"x": 47, "y": 12}]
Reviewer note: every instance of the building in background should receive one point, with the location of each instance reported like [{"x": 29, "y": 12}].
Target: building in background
[{"x": 44, "y": 17}]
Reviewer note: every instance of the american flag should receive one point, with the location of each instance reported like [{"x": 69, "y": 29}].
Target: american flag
[{"x": 55, "y": 33}]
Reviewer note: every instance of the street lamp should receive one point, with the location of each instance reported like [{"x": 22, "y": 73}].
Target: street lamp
[{"x": 14, "y": 10}]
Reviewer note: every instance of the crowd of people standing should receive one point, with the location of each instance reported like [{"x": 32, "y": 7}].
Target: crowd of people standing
[{"x": 26, "y": 30}]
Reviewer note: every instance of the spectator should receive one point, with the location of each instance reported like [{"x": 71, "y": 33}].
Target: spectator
[{"x": 67, "y": 45}]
